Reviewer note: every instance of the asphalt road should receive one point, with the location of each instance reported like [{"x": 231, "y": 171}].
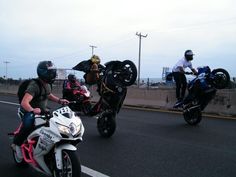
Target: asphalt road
[{"x": 146, "y": 144}]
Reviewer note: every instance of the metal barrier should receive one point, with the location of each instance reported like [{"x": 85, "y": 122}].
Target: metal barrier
[{"x": 224, "y": 102}]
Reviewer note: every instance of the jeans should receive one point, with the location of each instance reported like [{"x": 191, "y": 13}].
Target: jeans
[
  {"x": 27, "y": 126},
  {"x": 181, "y": 84}
]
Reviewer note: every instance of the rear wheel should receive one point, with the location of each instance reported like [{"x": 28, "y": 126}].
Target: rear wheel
[
  {"x": 193, "y": 115},
  {"x": 71, "y": 165},
  {"x": 106, "y": 124}
]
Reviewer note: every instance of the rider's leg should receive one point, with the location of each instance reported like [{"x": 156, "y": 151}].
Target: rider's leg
[
  {"x": 177, "y": 79},
  {"x": 184, "y": 85},
  {"x": 27, "y": 126}
]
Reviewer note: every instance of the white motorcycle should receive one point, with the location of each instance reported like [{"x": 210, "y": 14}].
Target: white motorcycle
[{"x": 51, "y": 146}]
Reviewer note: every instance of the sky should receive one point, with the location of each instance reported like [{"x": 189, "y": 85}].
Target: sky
[{"x": 64, "y": 30}]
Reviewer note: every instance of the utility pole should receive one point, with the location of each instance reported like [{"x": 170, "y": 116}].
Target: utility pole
[
  {"x": 139, "y": 56},
  {"x": 6, "y": 62},
  {"x": 92, "y": 46}
]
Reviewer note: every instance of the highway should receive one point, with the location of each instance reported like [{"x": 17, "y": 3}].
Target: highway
[{"x": 145, "y": 144}]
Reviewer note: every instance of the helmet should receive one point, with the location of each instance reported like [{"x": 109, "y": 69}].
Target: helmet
[
  {"x": 188, "y": 55},
  {"x": 47, "y": 71},
  {"x": 95, "y": 59},
  {"x": 72, "y": 78}
]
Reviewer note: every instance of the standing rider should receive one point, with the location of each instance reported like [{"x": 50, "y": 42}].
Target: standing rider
[
  {"x": 35, "y": 101},
  {"x": 179, "y": 74}
]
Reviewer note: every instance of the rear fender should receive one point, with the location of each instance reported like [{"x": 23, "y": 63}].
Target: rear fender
[{"x": 58, "y": 153}]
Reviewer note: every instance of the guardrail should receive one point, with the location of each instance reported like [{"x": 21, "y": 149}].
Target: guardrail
[{"x": 224, "y": 102}]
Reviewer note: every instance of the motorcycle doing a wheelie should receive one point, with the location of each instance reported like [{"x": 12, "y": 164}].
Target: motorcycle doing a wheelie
[
  {"x": 112, "y": 82},
  {"x": 51, "y": 147},
  {"x": 201, "y": 90}
]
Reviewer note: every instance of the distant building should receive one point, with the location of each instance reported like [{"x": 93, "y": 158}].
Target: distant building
[
  {"x": 61, "y": 74},
  {"x": 167, "y": 75}
]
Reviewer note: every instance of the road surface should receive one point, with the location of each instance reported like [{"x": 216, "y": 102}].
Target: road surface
[{"x": 145, "y": 144}]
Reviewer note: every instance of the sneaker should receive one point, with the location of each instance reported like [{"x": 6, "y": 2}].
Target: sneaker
[
  {"x": 178, "y": 104},
  {"x": 18, "y": 150}
]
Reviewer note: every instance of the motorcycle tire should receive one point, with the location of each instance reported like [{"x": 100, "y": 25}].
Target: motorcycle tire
[
  {"x": 71, "y": 165},
  {"x": 131, "y": 75},
  {"x": 193, "y": 115},
  {"x": 222, "y": 78},
  {"x": 106, "y": 124}
]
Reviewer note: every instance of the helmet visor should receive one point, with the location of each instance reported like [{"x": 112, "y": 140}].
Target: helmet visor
[{"x": 51, "y": 72}]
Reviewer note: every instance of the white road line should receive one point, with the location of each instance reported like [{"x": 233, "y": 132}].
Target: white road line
[
  {"x": 6, "y": 102},
  {"x": 92, "y": 172},
  {"x": 84, "y": 169}
]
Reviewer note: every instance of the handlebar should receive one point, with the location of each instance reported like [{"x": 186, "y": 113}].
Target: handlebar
[
  {"x": 76, "y": 88},
  {"x": 189, "y": 73},
  {"x": 45, "y": 115},
  {"x": 73, "y": 102}
]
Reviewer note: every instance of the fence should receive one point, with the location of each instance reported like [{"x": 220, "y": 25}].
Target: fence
[{"x": 162, "y": 97}]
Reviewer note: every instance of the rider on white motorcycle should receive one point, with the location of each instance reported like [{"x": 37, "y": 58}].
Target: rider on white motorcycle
[{"x": 35, "y": 100}]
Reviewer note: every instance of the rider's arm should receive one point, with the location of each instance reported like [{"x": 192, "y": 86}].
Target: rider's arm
[
  {"x": 77, "y": 83},
  {"x": 68, "y": 86},
  {"x": 57, "y": 100},
  {"x": 194, "y": 71},
  {"x": 25, "y": 103}
]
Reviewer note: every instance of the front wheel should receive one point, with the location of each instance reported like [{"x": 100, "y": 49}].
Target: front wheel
[
  {"x": 106, "y": 124},
  {"x": 221, "y": 78},
  {"x": 71, "y": 165},
  {"x": 193, "y": 115},
  {"x": 129, "y": 73}
]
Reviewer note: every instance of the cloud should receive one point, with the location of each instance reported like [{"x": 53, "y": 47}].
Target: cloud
[{"x": 63, "y": 30}]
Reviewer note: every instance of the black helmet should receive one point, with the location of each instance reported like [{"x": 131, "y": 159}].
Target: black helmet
[
  {"x": 47, "y": 71},
  {"x": 188, "y": 55},
  {"x": 72, "y": 78}
]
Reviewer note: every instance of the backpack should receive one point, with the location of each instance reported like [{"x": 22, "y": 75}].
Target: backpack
[{"x": 23, "y": 86}]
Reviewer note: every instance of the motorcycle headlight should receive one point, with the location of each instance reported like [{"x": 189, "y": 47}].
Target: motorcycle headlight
[
  {"x": 74, "y": 129},
  {"x": 63, "y": 129},
  {"x": 71, "y": 130}
]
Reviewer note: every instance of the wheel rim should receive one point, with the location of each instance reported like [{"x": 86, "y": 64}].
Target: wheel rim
[
  {"x": 67, "y": 166},
  {"x": 129, "y": 73},
  {"x": 221, "y": 80},
  {"x": 106, "y": 126},
  {"x": 192, "y": 117}
]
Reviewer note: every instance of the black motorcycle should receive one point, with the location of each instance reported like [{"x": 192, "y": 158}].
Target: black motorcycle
[
  {"x": 114, "y": 78},
  {"x": 201, "y": 90}
]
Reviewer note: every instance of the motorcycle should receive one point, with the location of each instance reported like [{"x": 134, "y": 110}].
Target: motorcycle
[
  {"x": 114, "y": 78},
  {"x": 79, "y": 99},
  {"x": 201, "y": 90},
  {"x": 51, "y": 147}
]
